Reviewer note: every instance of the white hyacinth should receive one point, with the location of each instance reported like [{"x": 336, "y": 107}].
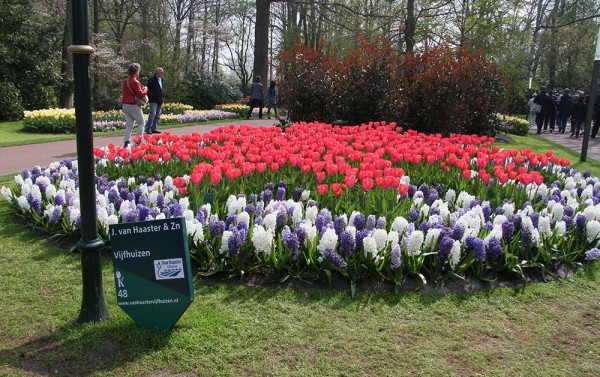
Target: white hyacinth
[
  {"x": 19, "y": 180},
  {"x": 370, "y": 248},
  {"x": 393, "y": 238},
  {"x": 6, "y": 194},
  {"x": 184, "y": 203},
  {"x": 380, "y": 236},
  {"x": 160, "y": 216},
  {"x": 188, "y": 214},
  {"x": 328, "y": 240},
  {"x": 131, "y": 182},
  {"x": 561, "y": 228},
  {"x": 455, "y": 254},
  {"x": 73, "y": 215},
  {"x": 305, "y": 195},
  {"x": 225, "y": 242},
  {"x": 270, "y": 221},
  {"x": 415, "y": 242},
  {"x": 243, "y": 217},
  {"x": 499, "y": 220},
  {"x": 558, "y": 211},
  {"x": 23, "y": 203},
  {"x": 399, "y": 225},
  {"x": 311, "y": 213},
  {"x": 592, "y": 230},
  {"x": 431, "y": 238},
  {"x": 509, "y": 209},
  {"x": 544, "y": 226},
  {"x": 262, "y": 240}
]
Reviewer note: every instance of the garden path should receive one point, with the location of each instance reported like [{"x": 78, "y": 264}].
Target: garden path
[{"x": 14, "y": 159}]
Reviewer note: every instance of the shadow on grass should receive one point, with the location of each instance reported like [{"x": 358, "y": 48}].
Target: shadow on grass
[{"x": 83, "y": 350}]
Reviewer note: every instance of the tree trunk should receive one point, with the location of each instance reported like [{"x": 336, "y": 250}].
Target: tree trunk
[
  {"x": 410, "y": 26},
  {"x": 66, "y": 89},
  {"x": 261, "y": 39},
  {"x": 552, "y": 51}
]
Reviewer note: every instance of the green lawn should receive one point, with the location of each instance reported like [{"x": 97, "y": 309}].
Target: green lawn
[
  {"x": 550, "y": 329},
  {"x": 11, "y": 133}
]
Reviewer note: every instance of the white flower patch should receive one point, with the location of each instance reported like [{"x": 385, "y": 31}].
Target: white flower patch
[
  {"x": 405, "y": 180},
  {"x": 153, "y": 198},
  {"x": 188, "y": 214},
  {"x": 496, "y": 232},
  {"x": 160, "y": 216},
  {"x": 311, "y": 213},
  {"x": 64, "y": 171},
  {"x": 262, "y": 239},
  {"x": 305, "y": 195},
  {"x": 592, "y": 230},
  {"x": 23, "y": 203},
  {"x": 380, "y": 236},
  {"x": 464, "y": 200},
  {"x": 544, "y": 226},
  {"x": 399, "y": 225},
  {"x": 311, "y": 232},
  {"x": 184, "y": 203},
  {"x": 131, "y": 182},
  {"x": 19, "y": 180},
  {"x": 415, "y": 242},
  {"x": 244, "y": 218},
  {"x": 508, "y": 209},
  {"x": 73, "y": 214},
  {"x": 328, "y": 240},
  {"x": 561, "y": 228},
  {"x": 455, "y": 254},
  {"x": 6, "y": 194},
  {"x": 370, "y": 248},
  {"x": 393, "y": 238},
  {"x": 431, "y": 238},
  {"x": 270, "y": 221},
  {"x": 450, "y": 196},
  {"x": 499, "y": 220},
  {"x": 225, "y": 242},
  {"x": 196, "y": 230},
  {"x": 587, "y": 193}
]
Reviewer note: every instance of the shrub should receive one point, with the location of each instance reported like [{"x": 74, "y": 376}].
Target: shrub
[
  {"x": 367, "y": 87},
  {"x": 10, "y": 102},
  {"x": 309, "y": 77},
  {"x": 239, "y": 108},
  {"x": 170, "y": 108},
  {"x": 204, "y": 90},
  {"x": 451, "y": 91},
  {"x": 513, "y": 125}
]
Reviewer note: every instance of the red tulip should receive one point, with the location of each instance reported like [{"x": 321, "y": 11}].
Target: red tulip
[
  {"x": 466, "y": 174},
  {"x": 322, "y": 189},
  {"x": 367, "y": 184}
]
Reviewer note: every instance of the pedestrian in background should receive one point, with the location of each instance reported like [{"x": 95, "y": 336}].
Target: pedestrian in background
[
  {"x": 156, "y": 87},
  {"x": 578, "y": 114},
  {"x": 532, "y": 113},
  {"x": 564, "y": 110},
  {"x": 256, "y": 97},
  {"x": 132, "y": 111},
  {"x": 272, "y": 98}
]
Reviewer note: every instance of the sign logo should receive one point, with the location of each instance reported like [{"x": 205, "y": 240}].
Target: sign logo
[{"x": 168, "y": 269}]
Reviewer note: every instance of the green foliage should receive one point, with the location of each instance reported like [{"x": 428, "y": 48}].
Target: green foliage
[
  {"x": 28, "y": 44},
  {"x": 11, "y": 107},
  {"x": 513, "y": 125},
  {"x": 204, "y": 90}
]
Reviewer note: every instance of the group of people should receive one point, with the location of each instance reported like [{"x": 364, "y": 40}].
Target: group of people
[
  {"x": 154, "y": 89},
  {"x": 256, "y": 98},
  {"x": 546, "y": 111}
]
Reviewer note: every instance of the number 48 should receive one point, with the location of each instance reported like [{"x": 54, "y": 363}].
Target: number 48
[{"x": 122, "y": 293}]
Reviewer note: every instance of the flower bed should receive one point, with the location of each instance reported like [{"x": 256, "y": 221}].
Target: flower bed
[
  {"x": 363, "y": 202},
  {"x": 63, "y": 120}
]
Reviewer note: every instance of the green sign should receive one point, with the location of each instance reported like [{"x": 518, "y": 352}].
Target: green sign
[{"x": 153, "y": 275}]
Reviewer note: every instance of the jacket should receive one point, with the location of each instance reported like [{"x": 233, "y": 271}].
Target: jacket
[
  {"x": 156, "y": 92},
  {"x": 579, "y": 111},
  {"x": 136, "y": 87}
]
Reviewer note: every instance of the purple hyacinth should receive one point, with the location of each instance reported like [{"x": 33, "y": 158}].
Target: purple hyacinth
[
  {"x": 478, "y": 245},
  {"x": 301, "y": 234},
  {"x": 215, "y": 226},
  {"x": 396, "y": 256},
  {"x": 280, "y": 219},
  {"x": 487, "y": 212},
  {"x": 339, "y": 225},
  {"x": 535, "y": 219},
  {"x": 526, "y": 236},
  {"x": 41, "y": 185},
  {"x": 414, "y": 215},
  {"x": 446, "y": 244},
  {"x": 253, "y": 198},
  {"x": 323, "y": 218},
  {"x": 580, "y": 223},
  {"x": 69, "y": 198},
  {"x": 425, "y": 190},
  {"x": 495, "y": 249},
  {"x": 424, "y": 227},
  {"x": 290, "y": 240},
  {"x": 380, "y": 222},
  {"x": 508, "y": 229},
  {"x": 359, "y": 221},
  {"x": 201, "y": 215},
  {"x": 347, "y": 244},
  {"x": 297, "y": 194},
  {"x": 270, "y": 186},
  {"x": 568, "y": 222},
  {"x": 250, "y": 209},
  {"x": 334, "y": 258},
  {"x": 311, "y": 203},
  {"x": 160, "y": 200},
  {"x": 434, "y": 211},
  {"x": 129, "y": 216},
  {"x": 124, "y": 193},
  {"x": 360, "y": 236},
  {"x": 371, "y": 221},
  {"x": 234, "y": 243},
  {"x": 143, "y": 212},
  {"x": 569, "y": 211},
  {"x": 432, "y": 197},
  {"x": 25, "y": 174},
  {"x": 230, "y": 220},
  {"x": 283, "y": 184},
  {"x": 258, "y": 220},
  {"x": 280, "y": 195},
  {"x": 175, "y": 210},
  {"x": 36, "y": 204},
  {"x": 458, "y": 232},
  {"x": 488, "y": 225},
  {"x": 592, "y": 254},
  {"x": 55, "y": 215},
  {"x": 266, "y": 196},
  {"x": 411, "y": 191}
]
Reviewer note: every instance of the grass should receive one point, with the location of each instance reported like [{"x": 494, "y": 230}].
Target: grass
[
  {"x": 548, "y": 329},
  {"x": 11, "y": 133}
]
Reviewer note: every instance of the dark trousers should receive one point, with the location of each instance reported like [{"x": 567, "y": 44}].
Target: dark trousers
[
  {"x": 539, "y": 122},
  {"x": 256, "y": 103},
  {"x": 549, "y": 120},
  {"x": 562, "y": 122},
  {"x": 576, "y": 127},
  {"x": 596, "y": 126}
]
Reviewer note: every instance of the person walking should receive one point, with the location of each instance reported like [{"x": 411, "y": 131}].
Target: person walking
[
  {"x": 578, "y": 114},
  {"x": 272, "y": 98},
  {"x": 542, "y": 100},
  {"x": 256, "y": 98},
  {"x": 564, "y": 110},
  {"x": 532, "y": 113},
  {"x": 550, "y": 117},
  {"x": 133, "y": 112},
  {"x": 596, "y": 116},
  {"x": 156, "y": 87}
]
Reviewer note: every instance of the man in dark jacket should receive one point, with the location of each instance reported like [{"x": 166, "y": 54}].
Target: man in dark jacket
[
  {"x": 578, "y": 114},
  {"x": 564, "y": 110},
  {"x": 550, "y": 117},
  {"x": 543, "y": 100},
  {"x": 156, "y": 87}
]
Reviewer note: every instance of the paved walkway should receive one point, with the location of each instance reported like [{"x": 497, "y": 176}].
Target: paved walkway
[
  {"x": 14, "y": 159},
  {"x": 593, "y": 151}
]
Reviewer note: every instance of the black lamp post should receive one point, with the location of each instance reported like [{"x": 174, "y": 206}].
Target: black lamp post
[
  {"x": 93, "y": 306},
  {"x": 592, "y": 99}
]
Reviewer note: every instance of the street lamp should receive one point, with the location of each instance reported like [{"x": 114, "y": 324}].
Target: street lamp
[
  {"x": 590, "y": 104},
  {"x": 93, "y": 305}
]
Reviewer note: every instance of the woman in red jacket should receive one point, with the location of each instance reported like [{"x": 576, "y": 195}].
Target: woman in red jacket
[{"x": 133, "y": 112}]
